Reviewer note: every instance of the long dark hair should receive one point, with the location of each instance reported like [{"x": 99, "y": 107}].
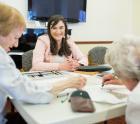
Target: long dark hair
[{"x": 65, "y": 48}]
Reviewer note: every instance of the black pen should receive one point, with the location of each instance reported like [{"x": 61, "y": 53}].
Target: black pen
[{"x": 103, "y": 84}]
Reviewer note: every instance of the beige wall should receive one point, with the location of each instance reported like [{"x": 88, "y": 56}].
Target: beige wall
[
  {"x": 136, "y": 16},
  {"x": 106, "y": 19}
]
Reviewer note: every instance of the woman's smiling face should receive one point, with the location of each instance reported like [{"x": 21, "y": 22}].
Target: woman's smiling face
[{"x": 58, "y": 31}]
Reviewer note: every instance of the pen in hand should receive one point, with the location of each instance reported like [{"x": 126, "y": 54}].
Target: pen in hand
[
  {"x": 102, "y": 84},
  {"x": 110, "y": 79}
]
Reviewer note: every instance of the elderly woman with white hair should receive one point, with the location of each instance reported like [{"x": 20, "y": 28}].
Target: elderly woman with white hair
[{"x": 124, "y": 57}]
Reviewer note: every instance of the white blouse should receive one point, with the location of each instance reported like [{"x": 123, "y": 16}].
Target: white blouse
[
  {"x": 133, "y": 106},
  {"x": 15, "y": 85}
]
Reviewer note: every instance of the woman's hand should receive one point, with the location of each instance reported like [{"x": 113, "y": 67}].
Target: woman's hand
[
  {"x": 72, "y": 82},
  {"x": 69, "y": 65},
  {"x": 111, "y": 79},
  {"x": 77, "y": 82},
  {"x": 75, "y": 63}
]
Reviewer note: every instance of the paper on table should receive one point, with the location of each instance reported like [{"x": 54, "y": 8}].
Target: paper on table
[
  {"x": 112, "y": 94},
  {"x": 50, "y": 78},
  {"x": 121, "y": 89}
]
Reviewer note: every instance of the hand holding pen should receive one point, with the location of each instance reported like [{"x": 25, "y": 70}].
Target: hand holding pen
[{"x": 110, "y": 79}]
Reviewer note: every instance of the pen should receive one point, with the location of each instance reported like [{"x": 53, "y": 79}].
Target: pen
[
  {"x": 114, "y": 77},
  {"x": 66, "y": 97},
  {"x": 103, "y": 84}
]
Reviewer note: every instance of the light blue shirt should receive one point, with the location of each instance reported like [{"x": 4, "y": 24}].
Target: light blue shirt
[{"x": 15, "y": 85}]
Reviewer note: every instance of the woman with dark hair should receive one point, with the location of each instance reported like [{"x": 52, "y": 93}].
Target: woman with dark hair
[{"x": 56, "y": 50}]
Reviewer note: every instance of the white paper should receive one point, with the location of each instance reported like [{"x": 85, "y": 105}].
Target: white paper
[
  {"x": 107, "y": 94},
  {"x": 112, "y": 94}
]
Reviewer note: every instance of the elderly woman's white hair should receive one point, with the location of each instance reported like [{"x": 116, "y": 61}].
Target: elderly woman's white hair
[{"x": 124, "y": 57}]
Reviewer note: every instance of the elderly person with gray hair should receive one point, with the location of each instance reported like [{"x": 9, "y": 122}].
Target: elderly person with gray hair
[{"x": 124, "y": 57}]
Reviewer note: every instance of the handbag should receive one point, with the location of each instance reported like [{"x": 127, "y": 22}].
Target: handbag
[{"x": 81, "y": 101}]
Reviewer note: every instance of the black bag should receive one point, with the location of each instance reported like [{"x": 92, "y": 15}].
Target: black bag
[{"x": 81, "y": 102}]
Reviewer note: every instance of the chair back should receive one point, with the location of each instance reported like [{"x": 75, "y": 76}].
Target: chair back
[
  {"x": 27, "y": 60},
  {"x": 96, "y": 55}
]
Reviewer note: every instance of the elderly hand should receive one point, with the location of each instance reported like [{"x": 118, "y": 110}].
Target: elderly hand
[
  {"x": 77, "y": 82},
  {"x": 71, "y": 82},
  {"x": 111, "y": 79}
]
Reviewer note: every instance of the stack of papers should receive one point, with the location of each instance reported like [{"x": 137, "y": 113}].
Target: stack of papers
[{"x": 112, "y": 94}]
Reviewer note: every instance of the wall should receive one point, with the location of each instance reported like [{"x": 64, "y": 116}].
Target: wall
[
  {"x": 106, "y": 19},
  {"x": 136, "y": 16}
]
